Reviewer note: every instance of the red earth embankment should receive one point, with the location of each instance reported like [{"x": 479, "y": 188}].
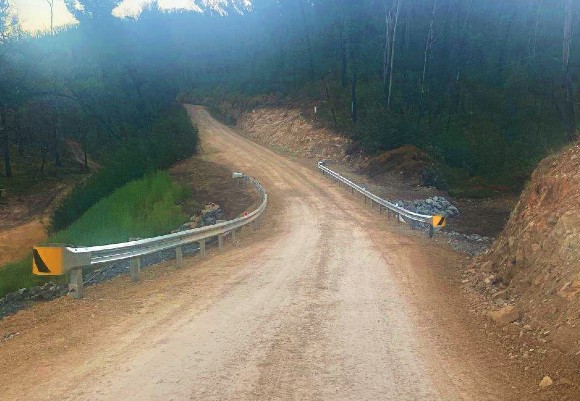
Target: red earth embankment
[{"x": 535, "y": 263}]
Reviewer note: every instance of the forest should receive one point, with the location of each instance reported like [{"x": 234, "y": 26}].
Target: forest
[{"x": 486, "y": 87}]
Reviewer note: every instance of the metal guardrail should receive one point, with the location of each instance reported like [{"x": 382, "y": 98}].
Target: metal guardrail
[
  {"x": 60, "y": 260},
  {"x": 411, "y": 218},
  {"x": 129, "y": 250}
]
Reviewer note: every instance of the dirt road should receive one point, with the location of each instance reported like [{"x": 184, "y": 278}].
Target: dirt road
[{"x": 325, "y": 301}]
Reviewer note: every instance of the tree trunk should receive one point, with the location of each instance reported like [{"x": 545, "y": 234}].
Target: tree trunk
[
  {"x": 353, "y": 95},
  {"x": 343, "y": 60},
  {"x": 569, "y": 112},
  {"x": 330, "y": 102},
  {"x": 392, "y": 61},
  {"x": 51, "y": 5},
  {"x": 43, "y": 154},
  {"x": 308, "y": 44},
  {"x": 86, "y": 158},
  {"x": 534, "y": 39},
  {"x": 7, "y": 165},
  {"x": 57, "y": 158},
  {"x": 408, "y": 26},
  {"x": 18, "y": 133},
  {"x": 387, "y": 53},
  {"x": 427, "y": 55}
]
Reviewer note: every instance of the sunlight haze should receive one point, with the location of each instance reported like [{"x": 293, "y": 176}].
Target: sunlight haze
[{"x": 35, "y": 14}]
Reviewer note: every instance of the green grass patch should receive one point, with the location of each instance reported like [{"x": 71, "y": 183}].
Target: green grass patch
[
  {"x": 14, "y": 276},
  {"x": 143, "y": 208}
]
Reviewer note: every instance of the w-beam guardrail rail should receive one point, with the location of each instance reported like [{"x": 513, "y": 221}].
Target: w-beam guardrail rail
[
  {"x": 58, "y": 260},
  {"x": 414, "y": 220}
]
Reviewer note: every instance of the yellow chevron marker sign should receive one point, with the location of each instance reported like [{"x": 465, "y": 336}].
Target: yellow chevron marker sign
[
  {"x": 439, "y": 221},
  {"x": 47, "y": 261},
  {"x": 57, "y": 260}
]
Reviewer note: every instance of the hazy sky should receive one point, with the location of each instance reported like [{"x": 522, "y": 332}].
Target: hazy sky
[{"x": 35, "y": 14}]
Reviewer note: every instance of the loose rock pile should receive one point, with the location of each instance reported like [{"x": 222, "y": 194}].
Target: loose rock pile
[
  {"x": 436, "y": 205},
  {"x": 16, "y": 300},
  {"x": 473, "y": 244},
  {"x": 209, "y": 216}
]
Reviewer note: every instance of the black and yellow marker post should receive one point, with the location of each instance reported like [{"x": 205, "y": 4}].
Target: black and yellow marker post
[{"x": 47, "y": 261}]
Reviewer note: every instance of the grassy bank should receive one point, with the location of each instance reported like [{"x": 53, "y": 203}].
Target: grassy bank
[
  {"x": 171, "y": 139},
  {"x": 143, "y": 208}
]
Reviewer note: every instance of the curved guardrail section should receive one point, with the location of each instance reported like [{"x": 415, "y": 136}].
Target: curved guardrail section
[
  {"x": 403, "y": 214},
  {"x": 60, "y": 260},
  {"x": 129, "y": 250}
]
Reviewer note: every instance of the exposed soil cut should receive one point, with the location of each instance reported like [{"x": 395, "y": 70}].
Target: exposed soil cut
[
  {"x": 414, "y": 165},
  {"x": 210, "y": 182},
  {"x": 535, "y": 263},
  {"x": 288, "y": 131}
]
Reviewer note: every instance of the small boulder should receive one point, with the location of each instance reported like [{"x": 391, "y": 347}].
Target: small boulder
[
  {"x": 505, "y": 315},
  {"x": 546, "y": 382},
  {"x": 503, "y": 295}
]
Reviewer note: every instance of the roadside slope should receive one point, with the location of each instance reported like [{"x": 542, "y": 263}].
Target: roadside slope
[{"x": 535, "y": 262}]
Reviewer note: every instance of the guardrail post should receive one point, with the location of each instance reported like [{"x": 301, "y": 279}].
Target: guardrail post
[
  {"x": 179, "y": 257},
  {"x": 202, "y": 248},
  {"x": 136, "y": 269},
  {"x": 76, "y": 286},
  {"x": 234, "y": 236},
  {"x": 431, "y": 231},
  {"x": 220, "y": 241}
]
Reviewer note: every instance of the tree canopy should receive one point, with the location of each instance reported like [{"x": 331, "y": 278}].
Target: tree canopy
[{"x": 482, "y": 85}]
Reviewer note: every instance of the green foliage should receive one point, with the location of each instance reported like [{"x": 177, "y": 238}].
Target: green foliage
[
  {"x": 143, "y": 208},
  {"x": 171, "y": 139},
  {"x": 17, "y": 275}
]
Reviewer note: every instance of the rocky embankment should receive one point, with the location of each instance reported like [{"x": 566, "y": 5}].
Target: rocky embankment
[{"x": 532, "y": 272}]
